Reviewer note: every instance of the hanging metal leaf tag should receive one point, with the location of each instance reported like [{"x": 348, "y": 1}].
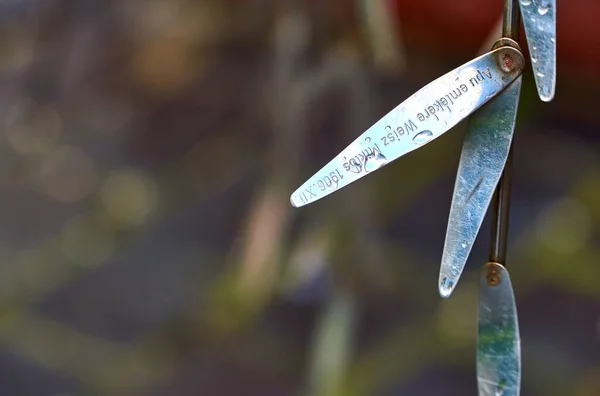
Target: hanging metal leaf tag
[
  {"x": 484, "y": 153},
  {"x": 498, "y": 341},
  {"x": 539, "y": 22},
  {"x": 421, "y": 118}
]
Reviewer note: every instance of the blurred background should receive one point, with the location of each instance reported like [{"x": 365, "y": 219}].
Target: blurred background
[{"x": 148, "y": 246}]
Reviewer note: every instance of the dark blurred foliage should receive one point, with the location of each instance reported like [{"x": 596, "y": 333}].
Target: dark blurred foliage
[{"x": 148, "y": 151}]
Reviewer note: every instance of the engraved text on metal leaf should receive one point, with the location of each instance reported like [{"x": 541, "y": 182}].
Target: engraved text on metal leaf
[{"x": 424, "y": 116}]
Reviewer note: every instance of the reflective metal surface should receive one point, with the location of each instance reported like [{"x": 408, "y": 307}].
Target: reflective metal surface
[
  {"x": 484, "y": 153},
  {"x": 424, "y": 116},
  {"x": 498, "y": 341},
  {"x": 539, "y": 21}
]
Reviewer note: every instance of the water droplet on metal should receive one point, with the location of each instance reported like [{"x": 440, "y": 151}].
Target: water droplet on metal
[
  {"x": 544, "y": 7},
  {"x": 423, "y": 137},
  {"x": 446, "y": 287},
  {"x": 525, "y": 2},
  {"x": 464, "y": 245},
  {"x": 374, "y": 161},
  {"x": 553, "y": 39},
  {"x": 546, "y": 93},
  {"x": 534, "y": 59},
  {"x": 540, "y": 74}
]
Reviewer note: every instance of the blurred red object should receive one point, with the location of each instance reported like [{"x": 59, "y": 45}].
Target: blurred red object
[{"x": 462, "y": 26}]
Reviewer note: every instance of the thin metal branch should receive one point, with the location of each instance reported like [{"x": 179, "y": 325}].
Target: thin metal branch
[
  {"x": 512, "y": 20},
  {"x": 501, "y": 204}
]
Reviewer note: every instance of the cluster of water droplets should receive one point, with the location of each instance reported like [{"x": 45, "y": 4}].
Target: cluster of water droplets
[
  {"x": 534, "y": 60},
  {"x": 543, "y": 7},
  {"x": 537, "y": 16}
]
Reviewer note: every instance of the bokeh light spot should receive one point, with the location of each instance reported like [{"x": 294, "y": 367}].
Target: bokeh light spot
[
  {"x": 87, "y": 241},
  {"x": 129, "y": 196},
  {"x": 32, "y": 129},
  {"x": 565, "y": 226},
  {"x": 68, "y": 174}
]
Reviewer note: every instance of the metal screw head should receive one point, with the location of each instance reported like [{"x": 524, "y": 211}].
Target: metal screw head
[
  {"x": 507, "y": 63},
  {"x": 493, "y": 276},
  {"x": 510, "y": 58}
]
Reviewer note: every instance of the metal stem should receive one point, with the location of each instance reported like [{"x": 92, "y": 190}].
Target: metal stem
[
  {"x": 501, "y": 211},
  {"x": 511, "y": 20},
  {"x": 501, "y": 204}
]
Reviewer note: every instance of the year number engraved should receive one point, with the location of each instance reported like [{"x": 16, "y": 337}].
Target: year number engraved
[
  {"x": 330, "y": 181},
  {"x": 422, "y": 117}
]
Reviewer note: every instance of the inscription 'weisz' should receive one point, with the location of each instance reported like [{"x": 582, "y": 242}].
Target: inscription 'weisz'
[
  {"x": 422, "y": 117},
  {"x": 440, "y": 105}
]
